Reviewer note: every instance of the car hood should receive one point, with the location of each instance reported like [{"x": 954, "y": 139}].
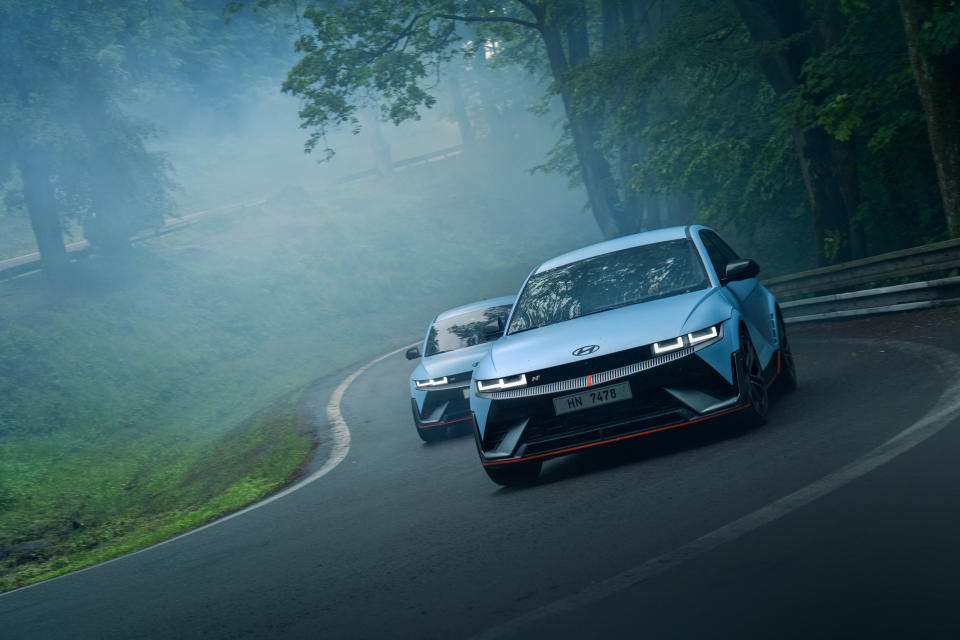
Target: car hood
[
  {"x": 614, "y": 330},
  {"x": 451, "y": 362}
]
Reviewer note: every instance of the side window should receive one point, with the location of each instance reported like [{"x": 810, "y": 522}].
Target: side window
[{"x": 719, "y": 251}]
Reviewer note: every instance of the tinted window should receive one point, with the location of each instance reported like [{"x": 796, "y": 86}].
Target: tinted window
[
  {"x": 609, "y": 281},
  {"x": 719, "y": 251},
  {"x": 463, "y": 330}
]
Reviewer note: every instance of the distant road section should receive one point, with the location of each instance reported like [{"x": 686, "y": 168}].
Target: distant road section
[{"x": 30, "y": 262}]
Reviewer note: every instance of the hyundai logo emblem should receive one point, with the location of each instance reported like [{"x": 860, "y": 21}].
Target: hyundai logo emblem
[{"x": 587, "y": 350}]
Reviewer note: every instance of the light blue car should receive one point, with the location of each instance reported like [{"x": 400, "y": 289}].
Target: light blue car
[
  {"x": 635, "y": 335},
  {"x": 455, "y": 342}
]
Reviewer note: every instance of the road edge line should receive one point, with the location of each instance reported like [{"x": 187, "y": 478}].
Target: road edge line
[
  {"x": 341, "y": 447},
  {"x": 946, "y": 409}
]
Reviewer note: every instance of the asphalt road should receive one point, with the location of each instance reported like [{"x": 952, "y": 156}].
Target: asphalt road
[{"x": 813, "y": 526}]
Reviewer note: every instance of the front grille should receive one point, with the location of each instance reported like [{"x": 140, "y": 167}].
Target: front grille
[
  {"x": 591, "y": 379},
  {"x": 456, "y": 405},
  {"x": 650, "y": 407}
]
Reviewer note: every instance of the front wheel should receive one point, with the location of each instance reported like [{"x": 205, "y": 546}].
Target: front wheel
[
  {"x": 515, "y": 473},
  {"x": 752, "y": 384},
  {"x": 788, "y": 369}
]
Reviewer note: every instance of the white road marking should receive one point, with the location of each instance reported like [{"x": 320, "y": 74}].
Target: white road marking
[
  {"x": 943, "y": 413},
  {"x": 341, "y": 447}
]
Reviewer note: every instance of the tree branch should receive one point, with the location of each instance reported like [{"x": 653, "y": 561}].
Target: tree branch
[
  {"x": 533, "y": 8},
  {"x": 522, "y": 23},
  {"x": 390, "y": 44}
]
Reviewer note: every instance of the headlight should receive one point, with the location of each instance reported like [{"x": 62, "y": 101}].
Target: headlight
[
  {"x": 703, "y": 335},
  {"x": 668, "y": 346},
  {"x": 432, "y": 382},
  {"x": 696, "y": 339},
  {"x": 499, "y": 384}
]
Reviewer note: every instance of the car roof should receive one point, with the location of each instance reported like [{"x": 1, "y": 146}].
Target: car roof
[
  {"x": 476, "y": 306},
  {"x": 617, "y": 244}
]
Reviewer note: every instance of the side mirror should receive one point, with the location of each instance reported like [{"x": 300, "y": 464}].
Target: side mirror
[
  {"x": 740, "y": 270},
  {"x": 493, "y": 329},
  {"x": 413, "y": 353}
]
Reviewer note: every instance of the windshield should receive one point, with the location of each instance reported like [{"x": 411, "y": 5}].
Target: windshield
[
  {"x": 609, "y": 281},
  {"x": 464, "y": 330}
]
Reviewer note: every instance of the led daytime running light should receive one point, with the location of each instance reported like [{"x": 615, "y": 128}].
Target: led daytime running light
[
  {"x": 688, "y": 340},
  {"x": 432, "y": 382},
  {"x": 702, "y": 336},
  {"x": 668, "y": 346},
  {"x": 500, "y": 384}
]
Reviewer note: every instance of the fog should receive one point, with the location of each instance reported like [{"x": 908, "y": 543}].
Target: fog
[{"x": 149, "y": 381}]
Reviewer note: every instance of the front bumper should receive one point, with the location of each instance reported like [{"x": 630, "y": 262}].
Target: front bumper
[
  {"x": 680, "y": 392},
  {"x": 442, "y": 408}
]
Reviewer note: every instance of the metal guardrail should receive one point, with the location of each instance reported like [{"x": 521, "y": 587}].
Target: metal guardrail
[
  {"x": 917, "y": 261},
  {"x": 413, "y": 161},
  {"x": 904, "y": 297},
  {"x": 824, "y": 294}
]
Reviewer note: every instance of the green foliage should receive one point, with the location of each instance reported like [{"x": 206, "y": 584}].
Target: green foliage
[
  {"x": 941, "y": 35},
  {"x": 693, "y": 96},
  {"x": 389, "y": 53}
]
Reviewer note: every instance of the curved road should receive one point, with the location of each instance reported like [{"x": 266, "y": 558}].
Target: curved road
[{"x": 811, "y": 526}]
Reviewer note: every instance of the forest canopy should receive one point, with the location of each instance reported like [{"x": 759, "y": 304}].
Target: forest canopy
[{"x": 819, "y": 130}]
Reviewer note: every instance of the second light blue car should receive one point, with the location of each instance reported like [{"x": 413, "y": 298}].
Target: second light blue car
[
  {"x": 440, "y": 385},
  {"x": 627, "y": 337}
]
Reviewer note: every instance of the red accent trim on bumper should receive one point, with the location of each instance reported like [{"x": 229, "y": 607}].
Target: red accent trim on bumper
[
  {"x": 440, "y": 424},
  {"x": 616, "y": 439}
]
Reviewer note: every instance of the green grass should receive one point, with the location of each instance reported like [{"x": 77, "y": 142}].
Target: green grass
[{"x": 154, "y": 394}]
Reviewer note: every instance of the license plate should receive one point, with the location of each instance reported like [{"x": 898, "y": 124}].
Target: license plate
[{"x": 592, "y": 398}]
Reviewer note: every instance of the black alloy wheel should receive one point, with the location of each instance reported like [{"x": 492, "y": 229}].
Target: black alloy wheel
[
  {"x": 515, "y": 473},
  {"x": 756, "y": 387},
  {"x": 788, "y": 369}
]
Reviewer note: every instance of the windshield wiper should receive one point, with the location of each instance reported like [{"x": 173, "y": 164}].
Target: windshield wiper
[
  {"x": 614, "y": 306},
  {"x": 526, "y": 329}
]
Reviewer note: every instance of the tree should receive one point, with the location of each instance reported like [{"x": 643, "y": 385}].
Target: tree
[
  {"x": 933, "y": 38},
  {"x": 787, "y": 39},
  {"x": 392, "y": 48},
  {"x": 61, "y": 119}
]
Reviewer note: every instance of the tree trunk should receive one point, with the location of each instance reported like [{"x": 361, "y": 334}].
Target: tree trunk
[
  {"x": 651, "y": 212},
  {"x": 467, "y": 136},
  {"x": 844, "y": 154},
  {"x": 770, "y": 22},
  {"x": 615, "y": 36},
  {"x": 830, "y": 219},
  {"x": 831, "y": 26},
  {"x": 42, "y": 206},
  {"x": 378, "y": 143},
  {"x": 594, "y": 168},
  {"x": 938, "y": 83}
]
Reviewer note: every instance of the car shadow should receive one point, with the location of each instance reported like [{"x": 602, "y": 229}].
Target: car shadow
[
  {"x": 453, "y": 433},
  {"x": 638, "y": 450}
]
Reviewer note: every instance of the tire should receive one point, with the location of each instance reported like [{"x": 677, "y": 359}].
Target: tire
[
  {"x": 787, "y": 380},
  {"x": 516, "y": 473},
  {"x": 752, "y": 383}
]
